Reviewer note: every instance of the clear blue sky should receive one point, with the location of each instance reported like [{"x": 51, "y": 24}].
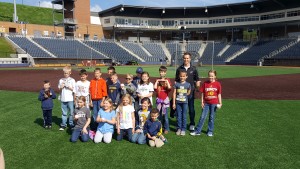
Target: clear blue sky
[{"x": 98, "y": 5}]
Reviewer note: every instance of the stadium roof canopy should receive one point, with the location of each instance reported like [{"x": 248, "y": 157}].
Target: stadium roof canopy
[{"x": 251, "y": 7}]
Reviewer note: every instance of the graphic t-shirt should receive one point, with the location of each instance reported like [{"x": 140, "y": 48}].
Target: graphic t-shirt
[
  {"x": 143, "y": 117},
  {"x": 181, "y": 92},
  {"x": 82, "y": 88},
  {"x": 144, "y": 89},
  {"x": 83, "y": 114},
  {"x": 210, "y": 91},
  {"x": 125, "y": 116},
  {"x": 66, "y": 93}
]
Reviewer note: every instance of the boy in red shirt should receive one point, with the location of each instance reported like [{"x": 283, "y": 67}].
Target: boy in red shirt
[
  {"x": 162, "y": 87},
  {"x": 211, "y": 99}
]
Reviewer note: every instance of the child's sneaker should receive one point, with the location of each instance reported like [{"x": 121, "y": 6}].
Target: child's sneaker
[
  {"x": 210, "y": 134},
  {"x": 49, "y": 127},
  {"x": 166, "y": 132},
  {"x": 195, "y": 133},
  {"x": 46, "y": 127},
  {"x": 62, "y": 128},
  {"x": 182, "y": 133},
  {"x": 178, "y": 132}
]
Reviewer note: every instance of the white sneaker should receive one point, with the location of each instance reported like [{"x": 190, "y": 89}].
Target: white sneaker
[
  {"x": 178, "y": 132},
  {"x": 182, "y": 133},
  {"x": 210, "y": 134},
  {"x": 195, "y": 133},
  {"x": 192, "y": 127}
]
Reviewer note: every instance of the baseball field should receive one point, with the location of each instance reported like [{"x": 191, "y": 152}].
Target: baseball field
[{"x": 257, "y": 127}]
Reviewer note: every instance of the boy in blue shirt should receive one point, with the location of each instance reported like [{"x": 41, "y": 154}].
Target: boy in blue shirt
[
  {"x": 153, "y": 130},
  {"x": 46, "y": 95},
  {"x": 180, "y": 101},
  {"x": 114, "y": 89}
]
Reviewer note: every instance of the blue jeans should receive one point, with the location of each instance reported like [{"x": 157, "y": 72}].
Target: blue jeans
[
  {"x": 77, "y": 133},
  {"x": 122, "y": 132},
  {"x": 181, "y": 110},
  {"x": 66, "y": 107},
  {"x": 139, "y": 138},
  {"x": 164, "y": 119},
  {"x": 191, "y": 99},
  {"x": 212, "y": 110},
  {"x": 96, "y": 108}
]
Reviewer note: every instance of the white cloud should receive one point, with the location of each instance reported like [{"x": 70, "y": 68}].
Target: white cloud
[
  {"x": 48, "y": 4},
  {"x": 96, "y": 8}
]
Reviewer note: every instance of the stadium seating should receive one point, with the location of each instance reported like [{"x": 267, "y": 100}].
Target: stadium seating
[
  {"x": 206, "y": 57},
  {"x": 68, "y": 48},
  {"x": 234, "y": 47},
  {"x": 29, "y": 47},
  {"x": 155, "y": 49},
  {"x": 260, "y": 49},
  {"x": 112, "y": 50},
  {"x": 290, "y": 53},
  {"x": 137, "y": 49}
]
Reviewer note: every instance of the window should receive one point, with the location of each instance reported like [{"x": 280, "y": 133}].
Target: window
[
  {"x": 107, "y": 21},
  {"x": 272, "y": 16}
]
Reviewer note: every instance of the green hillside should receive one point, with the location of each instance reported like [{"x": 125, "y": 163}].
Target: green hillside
[
  {"x": 31, "y": 14},
  {"x": 5, "y": 48}
]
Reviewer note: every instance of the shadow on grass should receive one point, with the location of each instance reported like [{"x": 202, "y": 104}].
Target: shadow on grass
[{"x": 55, "y": 120}]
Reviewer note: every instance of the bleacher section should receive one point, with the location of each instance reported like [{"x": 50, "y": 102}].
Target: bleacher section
[
  {"x": 68, "y": 48},
  {"x": 193, "y": 47},
  {"x": 136, "y": 49},
  {"x": 206, "y": 57},
  {"x": 260, "y": 49},
  {"x": 112, "y": 50},
  {"x": 234, "y": 47},
  {"x": 291, "y": 53},
  {"x": 29, "y": 47},
  {"x": 155, "y": 49}
]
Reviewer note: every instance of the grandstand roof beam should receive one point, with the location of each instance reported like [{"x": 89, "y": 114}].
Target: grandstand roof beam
[
  {"x": 229, "y": 8},
  {"x": 142, "y": 10},
  {"x": 279, "y": 3}
]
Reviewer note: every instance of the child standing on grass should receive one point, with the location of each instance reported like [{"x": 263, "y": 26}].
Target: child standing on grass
[
  {"x": 98, "y": 92},
  {"x": 114, "y": 89},
  {"x": 143, "y": 115},
  {"x": 46, "y": 95},
  {"x": 82, "y": 118},
  {"x": 162, "y": 87},
  {"x": 129, "y": 88},
  {"x": 125, "y": 118},
  {"x": 82, "y": 88},
  {"x": 211, "y": 99},
  {"x": 145, "y": 88},
  {"x": 153, "y": 130},
  {"x": 66, "y": 86},
  {"x": 180, "y": 102},
  {"x": 106, "y": 119}
]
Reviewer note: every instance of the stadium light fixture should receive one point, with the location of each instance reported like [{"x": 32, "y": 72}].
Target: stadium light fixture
[
  {"x": 206, "y": 10},
  {"x": 121, "y": 9},
  {"x": 163, "y": 11},
  {"x": 251, "y": 6}
]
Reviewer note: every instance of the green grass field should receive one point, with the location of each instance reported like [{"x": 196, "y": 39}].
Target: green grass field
[
  {"x": 223, "y": 71},
  {"x": 249, "y": 134},
  {"x": 30, "y": 14},
  {"x": 5, "y": 48}
]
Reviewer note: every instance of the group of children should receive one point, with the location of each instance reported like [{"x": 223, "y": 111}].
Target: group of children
[{"x": 126, "y": 108}]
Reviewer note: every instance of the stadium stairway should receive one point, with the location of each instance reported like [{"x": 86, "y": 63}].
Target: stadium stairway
[
  {"x": 51, "y": 54},
  {"x": 92, "y": 48},
  {"x": 135, "y": 55}
]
